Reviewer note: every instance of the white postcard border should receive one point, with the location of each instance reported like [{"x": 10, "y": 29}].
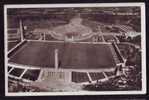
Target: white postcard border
[{"x": 143, "y": 44}]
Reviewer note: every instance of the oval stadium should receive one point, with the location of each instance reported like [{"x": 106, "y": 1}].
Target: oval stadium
[{"x": 76, "y": 51}]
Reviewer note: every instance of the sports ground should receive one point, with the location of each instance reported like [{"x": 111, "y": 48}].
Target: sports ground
[{"x": 70, "y": 55}]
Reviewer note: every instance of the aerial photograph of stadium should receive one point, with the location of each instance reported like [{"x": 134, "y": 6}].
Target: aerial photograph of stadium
[{"x": 72, "y": 49}]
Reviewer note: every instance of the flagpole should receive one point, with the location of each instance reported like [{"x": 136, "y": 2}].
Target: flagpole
[
  {"x": 21, "y": 30},
  {"x": 56, "y": 59}
]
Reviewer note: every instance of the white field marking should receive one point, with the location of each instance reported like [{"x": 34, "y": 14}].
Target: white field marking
[
  {"x": 15, "y": 47},
  {"x": 90, "y": 79}
]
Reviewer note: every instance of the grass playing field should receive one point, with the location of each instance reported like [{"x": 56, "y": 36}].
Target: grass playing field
[{"x": 71, "y": 55}]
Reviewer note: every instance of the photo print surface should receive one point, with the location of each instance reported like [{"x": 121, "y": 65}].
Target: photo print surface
[{"x": 75, "y": 49}]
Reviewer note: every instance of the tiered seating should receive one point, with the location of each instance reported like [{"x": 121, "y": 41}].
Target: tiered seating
[
  {"x": 109, "y": 38},
  {"x": 33, "y": 24},
  {"x": 31, "y": 74},
  {"x": 125, "y": 28},
  {"x": 111, "y": 73},
  {"x": 114, "y": 54},
  {"x": 16, "y": 72},
  {"x": 49, "y": 37},
  {"x": 96, "y": 76},
  {"x": 16, "y": 47},
  {"x": 92, "y": 24},
  {"x": 79, "y": 77},
  {"x": 9, "y": 68},
  {"x": 11, "y": 45},
  {"x": 13, "y": 34}
]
